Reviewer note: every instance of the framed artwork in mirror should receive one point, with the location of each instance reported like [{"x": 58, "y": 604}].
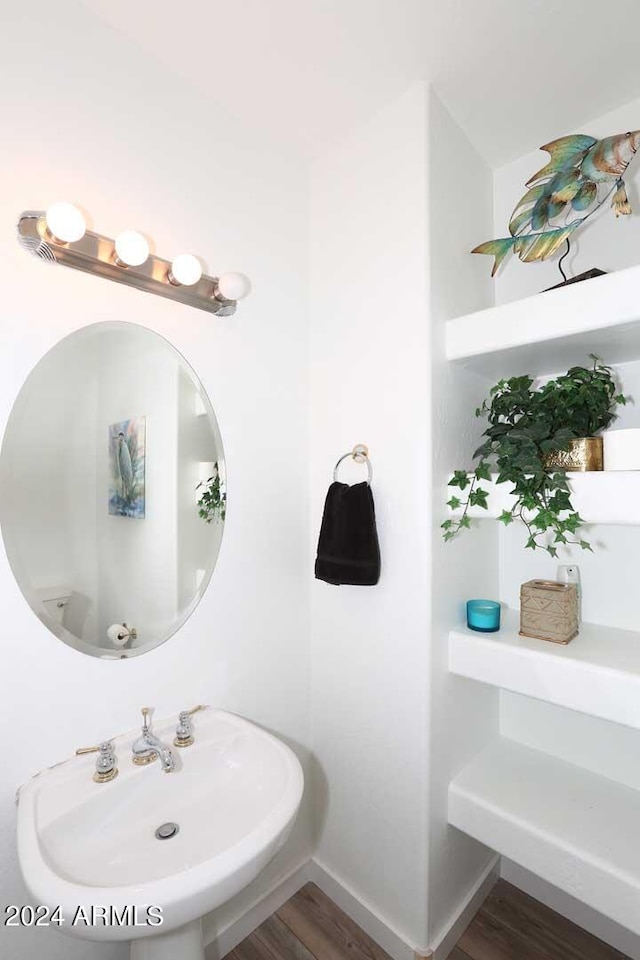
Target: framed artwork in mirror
[{"x": 127, "y": 454}]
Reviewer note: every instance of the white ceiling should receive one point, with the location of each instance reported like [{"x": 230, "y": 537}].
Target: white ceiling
[{"x": 514, "y": 73}]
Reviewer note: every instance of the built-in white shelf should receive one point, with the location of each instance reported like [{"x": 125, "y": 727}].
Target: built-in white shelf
[
  {"x": 575, "y": 829},
  {"x": 554, "y": 330},
  {"x": 597, "y": 673},
  {"x": 598, "y": 496}
]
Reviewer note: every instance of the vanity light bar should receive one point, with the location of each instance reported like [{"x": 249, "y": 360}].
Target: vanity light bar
[{"x": 59, "y": 235}]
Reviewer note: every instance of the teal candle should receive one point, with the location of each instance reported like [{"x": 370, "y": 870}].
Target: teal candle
[{"x": 483, "y": 615}]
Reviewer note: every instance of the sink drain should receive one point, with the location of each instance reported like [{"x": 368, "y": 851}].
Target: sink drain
[{"x": 167, "y": 830}]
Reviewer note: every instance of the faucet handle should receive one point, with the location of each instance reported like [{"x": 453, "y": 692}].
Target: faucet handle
[
  {"x": 106, "y": 763},
  {"x": 104, "y": 748},
  {"x": 184, "y": 730}
]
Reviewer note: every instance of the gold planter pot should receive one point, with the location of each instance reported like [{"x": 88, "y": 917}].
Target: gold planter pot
[{"x": 584, "y": 453}]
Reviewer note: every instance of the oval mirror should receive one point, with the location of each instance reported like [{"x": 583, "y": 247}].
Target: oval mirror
[{"x": 112, "y": 490}]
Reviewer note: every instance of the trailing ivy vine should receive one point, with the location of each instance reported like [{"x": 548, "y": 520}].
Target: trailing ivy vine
[
  {"x": 526, "y": 425},
  {"x": 212, "y": 502}
]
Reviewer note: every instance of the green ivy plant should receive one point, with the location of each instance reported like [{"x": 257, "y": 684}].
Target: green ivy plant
[
  {"x": 212, "y": 502},
  {"x": 525, "y": 426}
]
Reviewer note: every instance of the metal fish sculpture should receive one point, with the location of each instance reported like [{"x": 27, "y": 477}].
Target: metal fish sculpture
[{"x": 567, "y": 184}]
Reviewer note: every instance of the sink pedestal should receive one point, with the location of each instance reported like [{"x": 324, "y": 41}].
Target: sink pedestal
[{"x": 185, "y": 943}]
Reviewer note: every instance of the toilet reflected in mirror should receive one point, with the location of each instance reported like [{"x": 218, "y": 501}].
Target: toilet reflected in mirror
[{"x": 100, "y": 488}]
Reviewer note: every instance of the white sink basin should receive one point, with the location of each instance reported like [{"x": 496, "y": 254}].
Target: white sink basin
[{"x": 234, "y": 795}]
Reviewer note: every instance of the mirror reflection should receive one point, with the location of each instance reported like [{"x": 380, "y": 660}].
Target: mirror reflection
[{"x": 112, "y": 490}]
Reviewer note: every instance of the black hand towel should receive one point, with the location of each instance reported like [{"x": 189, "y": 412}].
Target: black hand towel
[{"x": 348, "y": 550}]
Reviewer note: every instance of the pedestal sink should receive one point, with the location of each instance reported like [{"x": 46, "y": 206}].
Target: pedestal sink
[{"x": 234, "y": 796}]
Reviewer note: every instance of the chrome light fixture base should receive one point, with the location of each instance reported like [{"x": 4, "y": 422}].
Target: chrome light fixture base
[{"x": 95, "y": 253}]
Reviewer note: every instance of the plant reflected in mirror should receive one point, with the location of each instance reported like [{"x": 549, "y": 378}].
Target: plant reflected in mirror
[{"x": 213, "y": 499}]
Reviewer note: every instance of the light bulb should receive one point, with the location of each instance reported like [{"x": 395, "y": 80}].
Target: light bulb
[
  {"x": 233, "y": 286},
  {"x": 131, "y": 248},
  {"x": 185, "y": 270},
  {"x": 65, "y": 222}
]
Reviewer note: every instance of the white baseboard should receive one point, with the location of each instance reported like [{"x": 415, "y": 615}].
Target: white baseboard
[
  {"x": 362, "y": 913},
  {"x": 260, "y": 910},
  {"x": 386, "y": 936},
  {"x": 392, "y": 941},
  {"x": 567, "y": 906},
  {"x": 446, "y": 940}
]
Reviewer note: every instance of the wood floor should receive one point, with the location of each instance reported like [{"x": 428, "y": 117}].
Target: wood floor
[
  {"x": 513, "y": 926},
  {"x": 509, "y": 926}
]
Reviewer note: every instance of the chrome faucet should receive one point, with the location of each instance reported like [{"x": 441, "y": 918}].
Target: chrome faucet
[{"x": 147, "y": 747}]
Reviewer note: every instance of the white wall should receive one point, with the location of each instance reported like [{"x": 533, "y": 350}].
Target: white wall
[
  {"x": 80, "y": 617},
  {"x": 138, "y": 558},
  {"x": 38, "y": 465},
  {"x": 370, "y": 384},
  {"x": 198, "y": 442},
  {"x": 464, "y": 716},
  {"x": 90, "y": 118},
  {"x": 389, "y": 225},
  {"x": 49, "y": 495},
  {"x": 605, "y": 241}
]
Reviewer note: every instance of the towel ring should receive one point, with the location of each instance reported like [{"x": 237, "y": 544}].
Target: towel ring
[{"x": 360, "y": 454}]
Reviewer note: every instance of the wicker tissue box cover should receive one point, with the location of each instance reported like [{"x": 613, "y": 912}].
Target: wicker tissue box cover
[{"x": 549, "y": 610}]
